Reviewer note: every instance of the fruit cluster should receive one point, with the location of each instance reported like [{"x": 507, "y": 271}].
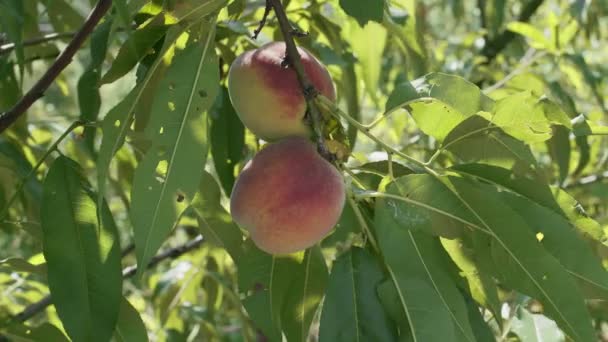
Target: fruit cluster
[{"x": 288, "y": 197}]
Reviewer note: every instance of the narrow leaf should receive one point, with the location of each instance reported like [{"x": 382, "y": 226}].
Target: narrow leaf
[
  {"x": 83, "y": 258},
  {"x": 166, "y": 179},
  {"x": 352, "y": 310}
]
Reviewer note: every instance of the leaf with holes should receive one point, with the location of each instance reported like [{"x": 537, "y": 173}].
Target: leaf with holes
[{"x": 166, "y": 179}]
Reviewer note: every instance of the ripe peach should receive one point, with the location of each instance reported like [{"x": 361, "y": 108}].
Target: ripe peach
[
  {"x": 288, "y": 197},
  {"x": 267, "y": 96}
]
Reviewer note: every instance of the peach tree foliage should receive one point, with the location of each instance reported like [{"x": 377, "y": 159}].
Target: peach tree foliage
[{"x": 469, "y": 136}]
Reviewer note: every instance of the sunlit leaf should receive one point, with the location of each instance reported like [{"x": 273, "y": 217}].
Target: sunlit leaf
[
  {"x": 166, "y": 179},
  {"x": 83, "y": 258}
]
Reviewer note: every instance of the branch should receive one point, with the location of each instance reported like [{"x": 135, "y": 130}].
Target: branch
[
  {"x": 257, "y": 31},
  {"x": 127, "y": 272},
  {"x": 308, "y": 90},
  {"x": 6, "y": 48},
  {"x": 495, "y": 46},
  {"x": 65, "y": 58},
  {"x": 588, "y": 180}
]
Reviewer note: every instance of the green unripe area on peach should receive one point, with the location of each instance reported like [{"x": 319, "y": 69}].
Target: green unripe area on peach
[
  {"x": 266, "y": 94},
  {"x": 288, "y": 197}
]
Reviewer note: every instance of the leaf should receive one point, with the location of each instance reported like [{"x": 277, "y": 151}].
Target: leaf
[
  {"x": 214, "y": 221},
  {"x": 166, "y": 178},
  {"x": 444, "y": 102},
  {"x": 367, "y": 44},
  {"x": 521, "y": 262},
  {"x": 481, "y": 285},
  {"x": 477, "y": 140},
  {"x": 83, "y": 258},
  {"x": 227, "y": 139},
  {"x": 21, "y": 265},
  {"x": 559, "y": 150},
  {"x": 559, "y": 237},
  {"x": 433, "y": 305},
  {"x": 268, "y": 278},
  {"x": 582, "y": 127},
  {"x": 534, "y": 328},
  {"x": 364, "y": 10},
  {"x": 557, "y": 200},
  {"x": 130, "y": 327},
  {"x": 89, "y": 98},
  {"x": 352, "y": 310},
  {"x": 136, "y": 47},
  {"x": 537, "y": 38},
  {"x": 12, "y": 16},
  {"x": 117, "y": 122},
  {"x": 45, "y": 332},
  {"x": 427, "y": 194},
  {"x": 304, "y": 296},
  {"x": 63, "y": 16}
]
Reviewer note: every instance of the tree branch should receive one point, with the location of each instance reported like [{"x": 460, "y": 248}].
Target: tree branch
[
  {"x": 127, "y": 272},
  {"x": 495, "y": 46},
  {"x": 63, "y": 60},
  {"x": 308, "y": 90},
  {"x": 6, "y": 48}
]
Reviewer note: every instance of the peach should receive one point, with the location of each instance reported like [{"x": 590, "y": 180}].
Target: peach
[
  {"x": 267, "y": 96},
  {"x": 288, "y": 197}
]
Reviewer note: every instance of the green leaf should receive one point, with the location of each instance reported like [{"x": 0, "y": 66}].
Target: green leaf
[
  {"x": 368, "y": 45},
  {"x": 45, "y": 332},
  {"x": 559, "y": 150},
  {"x": 12, "y": 16},
  {"x": 477, "y": 140},
  {"x": 227, "y": 139},
  {"x": 582, "y": 127},
  {"x": 136, "y": 47},
  {"x": 117, "y": 122},
  {"x": 481, "y": 285},
  {"x": 63, "y": 16},
  {"x": 304, "y": 296},
  {"x": 520, "y": 261},
  {"x": 21, "y": 265},
  {"x": 214, "y": 221},
  {"x": 427, "y": 194},
  {"x": 89, "y": 98},
  {"x": 537, "y": 38},
  {"x": 166, "y": 179},
  {"x": 434, "y": 307},
  {"x": 83, "y": 258},
  {"x": 536, "y": 190},
  {"x": 130, "y": 327},
  {"x": 364, "y": 10},
  {"x": 352, "y": 310},
  {"x": 440, "y": 102},
  {"x": 560, "y": 238},
  {"x": 268, "y": 278}
]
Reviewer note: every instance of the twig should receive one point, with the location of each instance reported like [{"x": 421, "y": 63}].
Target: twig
[
  {"x": 588, "y": 180},
  {"x": 308, "y": 90},
  {"x": 495, "y": 46},
  {"x": 65, "y": 58},
  {"x": 529, "y": 57},
  {"x": 6, "y": 48},
  {"x": 262, "y": 23},
  {"x": 127, "y": 272}
]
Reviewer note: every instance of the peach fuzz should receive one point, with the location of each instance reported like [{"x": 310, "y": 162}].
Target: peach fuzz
[
  {"x": 267, "y": 96},
  {"x": 288, "y": 197}
]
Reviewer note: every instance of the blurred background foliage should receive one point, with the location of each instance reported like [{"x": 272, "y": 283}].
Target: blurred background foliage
[{"x": 555, "y": 48}]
